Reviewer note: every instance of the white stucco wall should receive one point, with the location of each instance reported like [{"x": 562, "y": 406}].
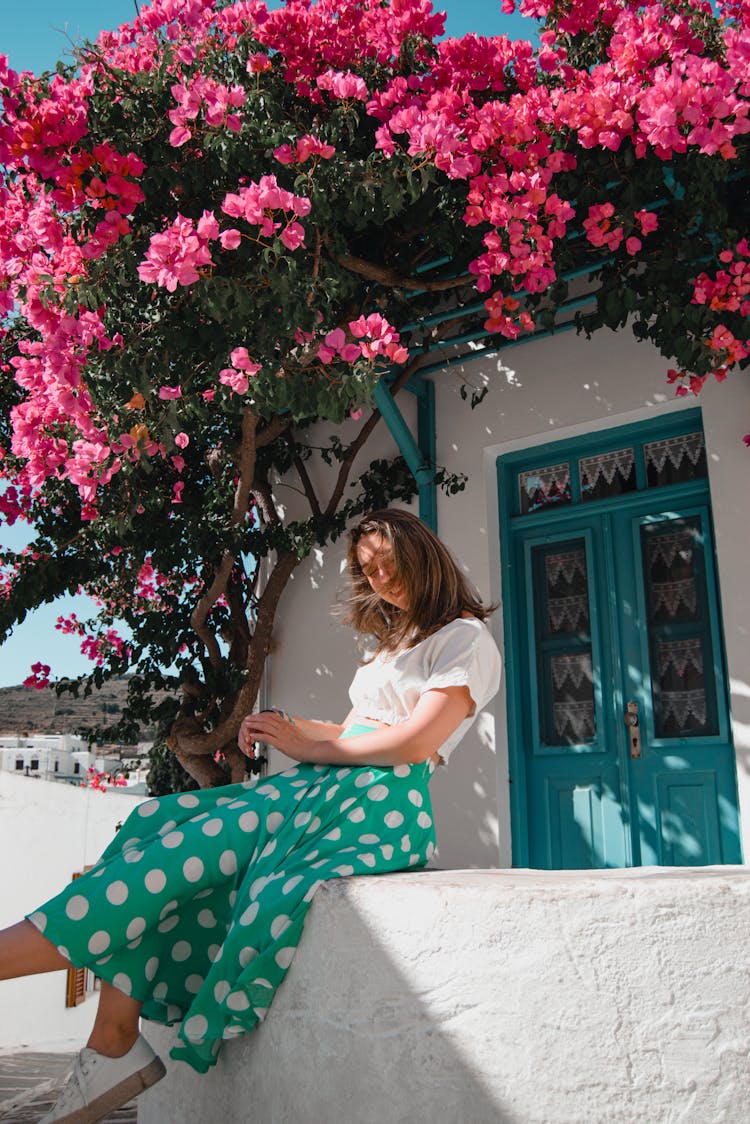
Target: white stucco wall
[
  {"x": 496, "y": 997},
  {"x": 48, "y": 831},
  {"x": 550, "y": 389}
]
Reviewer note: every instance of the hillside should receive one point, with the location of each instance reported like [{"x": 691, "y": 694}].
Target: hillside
[{"x": 24, "y": 710}]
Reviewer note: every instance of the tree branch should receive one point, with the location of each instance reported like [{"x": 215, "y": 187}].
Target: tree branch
[
  {"x": 371, "y": 271},
  {"x": 246, "y": 466},
  {"x": 304, "y": 476},
  {"x": 226, "y": 732},
  {"x": 262, "y": 492},
  {"x": 316, "y": 266},
  {"x": 272, "y": 430},
  {"x": 199, "y": 616}
]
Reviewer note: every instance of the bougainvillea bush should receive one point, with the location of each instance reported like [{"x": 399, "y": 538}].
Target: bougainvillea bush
[{"x": 225, "y": 224}]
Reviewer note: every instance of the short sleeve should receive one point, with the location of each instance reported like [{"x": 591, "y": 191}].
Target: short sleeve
[{"x": 465, "y": 656}]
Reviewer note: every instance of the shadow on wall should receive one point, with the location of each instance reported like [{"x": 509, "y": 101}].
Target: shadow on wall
[{"x": 465, "y": 803}]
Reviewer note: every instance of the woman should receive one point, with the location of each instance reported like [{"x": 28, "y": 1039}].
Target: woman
[{"x": 194, "y": 911}]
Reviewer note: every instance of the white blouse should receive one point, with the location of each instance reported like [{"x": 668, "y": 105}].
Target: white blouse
[{"x": 461, "y": 653}]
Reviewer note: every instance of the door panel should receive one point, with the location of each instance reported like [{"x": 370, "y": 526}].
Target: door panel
[
  {"x": 584, "y": 828},
  {"x": 688, "y": 826},
  {"x": 574, "y": 777},
  {"x": 612, "y": 615},
  {"x": 673, "y": 671}
]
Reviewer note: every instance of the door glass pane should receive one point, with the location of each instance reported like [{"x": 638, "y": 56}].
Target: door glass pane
[
  {"x": 675, "y": 460},
  {"x": 573, "y": 697},
  {"x": 607, "y": 474},
  {"x": 565, "y": 675},
  {"x": 542, "y": 488},
  {"x": 682, "y": 680}
]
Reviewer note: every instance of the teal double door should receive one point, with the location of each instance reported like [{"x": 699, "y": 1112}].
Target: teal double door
[{"x": 621, "y": 751}]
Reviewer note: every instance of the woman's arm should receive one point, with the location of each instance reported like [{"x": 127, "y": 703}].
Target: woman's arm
[
  {"x": 437, "y": 714},
  {"x": 320, "y": 731}
]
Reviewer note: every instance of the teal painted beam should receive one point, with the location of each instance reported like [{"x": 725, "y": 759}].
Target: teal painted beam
[
  {"x": 478, "y": 306},
  {"x": 482, "y": 333},
  {"x": 424, "y": 390},
  {"x": 484, "y": 352},
  {"x": 416, "y": 457}
]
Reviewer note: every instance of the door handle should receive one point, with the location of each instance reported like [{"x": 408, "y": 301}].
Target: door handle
[{"x": 634, "y": 728}]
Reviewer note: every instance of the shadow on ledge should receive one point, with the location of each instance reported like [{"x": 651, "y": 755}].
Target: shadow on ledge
[{"x": 495, "y": 997}]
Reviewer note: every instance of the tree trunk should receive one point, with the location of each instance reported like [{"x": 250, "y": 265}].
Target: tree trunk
[{"x": 193, "y": 745}]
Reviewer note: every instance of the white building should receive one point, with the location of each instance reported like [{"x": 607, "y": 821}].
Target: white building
[
  {"x": 609, "y": 520},
  {"x": 67, "y": 758},
  {"x": 51, "y": 756}
]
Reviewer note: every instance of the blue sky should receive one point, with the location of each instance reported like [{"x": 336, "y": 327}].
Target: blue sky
[{"x": 34, "y": 35}]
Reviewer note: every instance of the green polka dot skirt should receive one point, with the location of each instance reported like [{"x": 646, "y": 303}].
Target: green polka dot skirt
[{"x": 197, "y": 905}]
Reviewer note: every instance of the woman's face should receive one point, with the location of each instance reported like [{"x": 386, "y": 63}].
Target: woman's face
[{"x": 375, "y": 557}]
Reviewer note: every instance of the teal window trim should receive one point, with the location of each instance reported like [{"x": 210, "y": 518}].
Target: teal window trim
[
  {"x": 601, "y": 441},
  {"x": 692, "y": 490}
]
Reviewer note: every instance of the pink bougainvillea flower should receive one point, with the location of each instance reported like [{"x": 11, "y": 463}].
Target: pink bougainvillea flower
[
  {"x": 647, "y": 221},
  {"x": 168, "y": 392},
  {"x": 230, "y": 239},
  {"x": 237, "y": 381},
  {"x": 175, "y": 256},
  {"x": 182, "y": 440},
  {"x": 343, "y": 84},
  {"x": 39, "y": 678},
  {"x": 293, "y": 236},
  {"x": 240, "y": 358},
  {"x": 284, "y": 154},
  {"x": 258, "y": 63},
  {"x": 207, "y": 226},
  {"x": 180, "y": 135}
]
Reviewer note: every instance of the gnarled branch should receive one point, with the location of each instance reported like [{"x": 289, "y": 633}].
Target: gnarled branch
[
  {"x": 304, "y": 476},
  {"x": 246, "y": 463},
  {"x": 226, "y": 732},
  {"x": 246, "y": 466},
  {"x": 262, "y": 492},
  {"x": 271, "y": 431},
  {"x": 199, "y": 616}
]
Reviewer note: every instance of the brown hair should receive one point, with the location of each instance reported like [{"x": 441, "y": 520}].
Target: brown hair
[{"x": 436, "y": 590}]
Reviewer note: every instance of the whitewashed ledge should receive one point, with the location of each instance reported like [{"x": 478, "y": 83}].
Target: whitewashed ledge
[{"x": 483, "y": 997}]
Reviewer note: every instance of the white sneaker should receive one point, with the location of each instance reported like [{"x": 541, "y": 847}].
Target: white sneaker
[{"x": 98, "y": 1085}]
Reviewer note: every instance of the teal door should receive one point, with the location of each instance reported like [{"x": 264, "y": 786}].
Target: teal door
[{"x": 620, "y": 738}]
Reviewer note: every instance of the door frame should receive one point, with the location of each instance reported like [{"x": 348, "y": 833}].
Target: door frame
[{"x": 578, "y": 442}]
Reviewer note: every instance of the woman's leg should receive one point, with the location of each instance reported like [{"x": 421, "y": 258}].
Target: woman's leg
[
  {"x": 25, "y": 952},
  {"x": 116, "y": 1024}
]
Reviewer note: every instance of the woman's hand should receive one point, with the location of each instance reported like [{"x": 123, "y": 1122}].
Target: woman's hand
[{"x": 268, "y": 726}]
